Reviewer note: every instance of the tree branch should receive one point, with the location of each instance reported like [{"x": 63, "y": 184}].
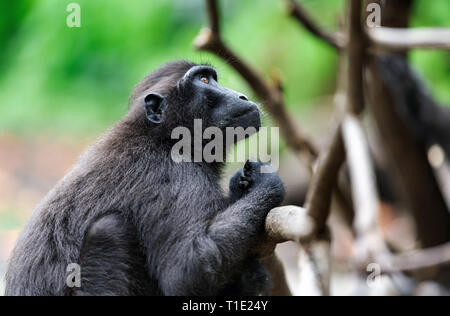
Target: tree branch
[
  {"x": 364, "y": 190},
  {"x": 415, "y": 176},
  {"x": 289, "y": 223},
  {"x": 318, "y": 201},
  {"x": 314, "y": 264},
  {"x": 396, "y": 39},
  {"x": 214, "y": 16},
  {"x": 286, "y": 223},
  {"x": 356, "y": 54},
  {"x": 210, "y": 40},
  {"x": 416, "y": 260},
  {"x": 301, "y": 15},
  {"x": 319, "y": 196}
]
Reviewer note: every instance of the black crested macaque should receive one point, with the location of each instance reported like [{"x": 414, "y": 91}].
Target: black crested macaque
[{"x": 139, "y": 223}]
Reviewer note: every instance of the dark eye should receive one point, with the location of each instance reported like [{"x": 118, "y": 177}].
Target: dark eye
[{"x": 204, "y": 79}]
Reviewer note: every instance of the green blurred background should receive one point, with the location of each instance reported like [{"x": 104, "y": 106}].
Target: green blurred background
[
  {"x": 60, "y": 87},
  {"x": 77, "y": 80}
]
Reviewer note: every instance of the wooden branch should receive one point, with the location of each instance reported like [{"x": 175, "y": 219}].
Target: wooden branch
[
  {"x": 313, "y": 220},
  {"x": 319, "y": 196},
  {"x": 300, "y": 14},
  {"x": 214, "y": 16},
  {"x": 308, "y": 226},
  {"x": 316, "y": 251},
  {"x": 356, "y": 55},
  {"x": 325, "y": 179},
  {"x": 290, "y": 223},
  {"x": 416, "y": 260},
  {"x": 415, "y": 176},
  {"x": 364, "y": 189},
  {"x": 370, "y": 243},
  {"x": 293, "y": 223},
  {"x": 314, "y": 266},
  {"x": 287, "y": 223},
  {"x": 210, "y": 40},
  {"x": 369, "y": 240},
  {"x": 318, "y": 201},
  {"x": 396, "y": 39}
]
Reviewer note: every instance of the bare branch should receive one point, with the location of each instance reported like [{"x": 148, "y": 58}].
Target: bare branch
[
  {"x": 396, "y": 39},
  {"x": 301, "y": 15},
  {"x": 364, "y": 190},
  {"x": 419, "y": 187},
  {"x": 289, "y": 223},
  {"x": 315, "y": 266},
  {"x": 214, "y": 16},
  {"x": 306, "y": 226},
  {"x": 369, "y": 240},
  {"x": 416, "y": 260},
  {"x": 324, "y": 181},
  {"x": 319, "y": 196},
  {"x": 415, "y": 177},
  {"x": 356, "y": 54},
  {"x": 210, "y": 40},
  {"x": 274, "y": 104},
  {"x": 294, "y": 224}
]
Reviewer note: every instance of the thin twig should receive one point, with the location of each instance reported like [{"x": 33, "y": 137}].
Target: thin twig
[{"x": 301, "y": 15}]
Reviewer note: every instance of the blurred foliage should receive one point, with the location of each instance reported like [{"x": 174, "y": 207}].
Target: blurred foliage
[
  {"x": 434, "y": 65},
  {"x": 10, "y": 219},
  {"x": 77, "y": 80}
]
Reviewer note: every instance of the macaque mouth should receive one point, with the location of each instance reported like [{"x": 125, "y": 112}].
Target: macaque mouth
[{"x": 245, "y": 112}]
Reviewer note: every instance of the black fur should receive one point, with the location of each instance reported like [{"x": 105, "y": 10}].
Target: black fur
[
  {"x": 139, "y": 223},
  {"x": 429, "y": 121}
]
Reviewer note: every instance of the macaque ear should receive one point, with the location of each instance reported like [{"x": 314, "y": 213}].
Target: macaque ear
[{"x": 155, "y": 105}]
